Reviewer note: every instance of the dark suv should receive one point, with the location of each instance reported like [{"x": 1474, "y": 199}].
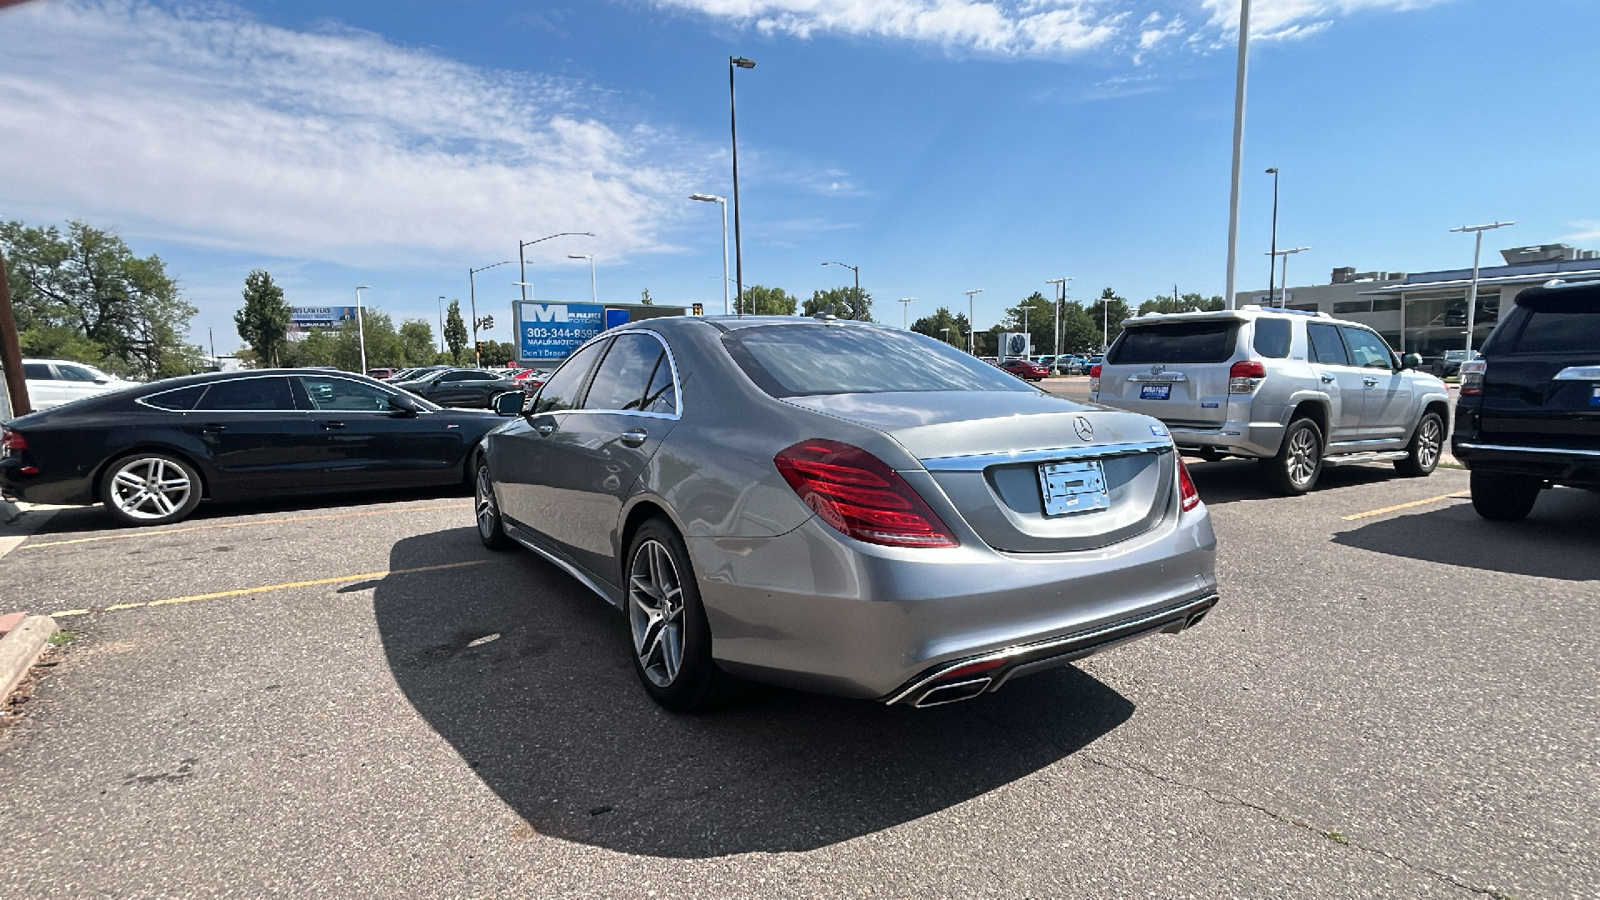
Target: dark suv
[{"x": 1529, "y": 414}]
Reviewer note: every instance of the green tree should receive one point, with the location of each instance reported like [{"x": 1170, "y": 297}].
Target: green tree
[
  {"x": 1186, "y": 303},
  {"x": 84, "y": 295},
  {"x": 1080, "y": 332},
  {"x": 847, "y": 303},
  {"x": 383, "y": 342},
  {"x": 455, "y": 331},
  {"x": 416, "y": 343},
  {"x": 499, "y": 353},
  {"x": 264, "y": 319},
  {"x": 765, "y": 301},
  {"x": 1108, "y": 313},
  {"x": 1039, "y": 322},
  {"x": 645, "y": 299},
  {"x": 934, "y": 326},
  {"x": 318, "y": 348}
]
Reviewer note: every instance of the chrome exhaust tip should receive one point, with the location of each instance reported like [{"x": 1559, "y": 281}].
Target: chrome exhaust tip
[{"x": 953, "y": 693}]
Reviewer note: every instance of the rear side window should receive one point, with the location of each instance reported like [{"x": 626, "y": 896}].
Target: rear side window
[
  {"x": 1326, "y": 345},
  {"x": 250, "y": 394},
  {"x": 810, "y": 359},
  {"x": 1273, "y": 337},
  {"x": 37, "y": 372},
  {"x": 1176, "y": 342},
  {"x": 1563, "y": 321},
  {"x": 180, "y": 400},
  {"x": 624, "y": 376}
]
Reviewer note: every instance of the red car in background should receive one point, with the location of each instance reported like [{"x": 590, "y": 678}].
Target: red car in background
[
  {"x": 531, "y": 378},
  {"x": 1027, "y": 370}
]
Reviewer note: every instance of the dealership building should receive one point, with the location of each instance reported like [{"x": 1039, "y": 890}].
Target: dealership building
[{"x": 1426, "y": 312}]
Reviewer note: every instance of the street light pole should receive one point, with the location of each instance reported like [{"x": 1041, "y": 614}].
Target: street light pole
[
  {"x": 713, "y": 198},
  {"x": 472, "y": 293},
  {"x": 1061, "y": 299},
  {"x": 361, "y": 328},
  {"x": 1238, "y": 144},
  {"x": 1274, "y": 251},
  {"x": 522, "y": 265},
  {"x": 905, "y": 311},
  {"x": 972, "y": 339},
  {"x": 1472, "y": 292},
  {"x": 736, "y": 62},
  {"x": 946, "y": 332},
  {"x": 856, "y": 299},
  {"x": 594, "y": 296},
  {"x": 1284, "y": 282},
  {"x": 441, "y": 323}
]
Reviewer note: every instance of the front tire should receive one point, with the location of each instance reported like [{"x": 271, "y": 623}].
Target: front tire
[
  {"x": 1295, "y": 469},
  {"x": 486, "y": 509},
  {"x": 1504, "y": 498},
  {"x": 1427, "y": 444},
  {"x": 671, "y": 639},
  {"x": 150, "y": 488}
]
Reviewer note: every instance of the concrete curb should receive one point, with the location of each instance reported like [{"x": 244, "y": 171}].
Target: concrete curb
[
  {"x": 20, "y": 649},
  {"x": 33, "y": 518}
]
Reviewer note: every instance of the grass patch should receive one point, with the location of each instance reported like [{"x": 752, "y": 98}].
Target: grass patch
[
  {"x": 1336, "y": 837},
  {"x": 62, "y": 638}
]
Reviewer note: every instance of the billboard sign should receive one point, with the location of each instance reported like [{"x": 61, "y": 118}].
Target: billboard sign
[
  {"x": 308, "y": 317},
  {"x": 554, "y": 330}
]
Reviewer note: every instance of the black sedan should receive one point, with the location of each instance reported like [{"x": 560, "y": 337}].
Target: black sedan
[
  {"x": 151, "y": 453},
  {"x": 476, "y": 388}
]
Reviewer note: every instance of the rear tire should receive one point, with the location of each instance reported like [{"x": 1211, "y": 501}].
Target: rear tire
[
  {"x": 1504, "y": 498},
  {"x": 1298, "y": 464},
  {"x": 150, "y": 488},
  {"x": 486, "y": 510},
  {"x": 670, "y": 637},
  {"x": 1427, "y": 443}
]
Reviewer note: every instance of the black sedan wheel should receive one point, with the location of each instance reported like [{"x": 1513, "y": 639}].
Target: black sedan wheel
[
  {"x": 491, "y": 529},
  {"x": 150, "y": 489},
  {"x": 671, "y": 638}
]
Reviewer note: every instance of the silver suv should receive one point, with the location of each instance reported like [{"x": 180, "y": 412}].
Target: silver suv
[{"x": 1298, "y": 391}]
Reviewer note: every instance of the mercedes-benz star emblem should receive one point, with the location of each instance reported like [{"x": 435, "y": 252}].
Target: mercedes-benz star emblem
[{"x": 1083, "y": 429}]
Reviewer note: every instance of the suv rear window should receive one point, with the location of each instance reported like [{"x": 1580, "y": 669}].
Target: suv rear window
[
  {"x": 1176, "y": 342},
  {"x": 1562, "y": 321},
  {"x": 803, "y": 359}
]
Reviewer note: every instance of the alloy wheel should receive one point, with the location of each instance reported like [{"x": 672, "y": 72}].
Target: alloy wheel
[
  {"x": 1303, "y": 456},
  {"x": 150, "y": 487},
  {"x": 1430, "y": 442},
  {"x": 483, "y": 506},
  {"x": 655, "y": 612}
]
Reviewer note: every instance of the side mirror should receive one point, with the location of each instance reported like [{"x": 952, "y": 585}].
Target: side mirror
[
  {"x": 403, "y": 407},
  {"x": 510, "y": 403},
  {"x": 1411, "y": 361}
]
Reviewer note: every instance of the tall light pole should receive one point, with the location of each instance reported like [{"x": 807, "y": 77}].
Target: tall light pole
[
  {"x": 905, "y": 308},
  {"x": 1472, "y": 292},
  {"x": 594, "y": 295},
  {"x": 946, "y": 334},
  {"x": 1274, "y": 251},
  {"x": 1238, "y": 144},
  {"x": 1062, "y": 282},
  {"x": 441, "y": 323},
  {"x": 736, "y": 62},
  {"x": 856, "y": 298},
  {"x": 522, "y": 265},
  {"x": 1284, "y": 285},
  {"x": 472, "y": 293},
  {"x": 972, "y": 328},
  {"x": 713, "y": 198},
  {"x": 361, "y": 327}
]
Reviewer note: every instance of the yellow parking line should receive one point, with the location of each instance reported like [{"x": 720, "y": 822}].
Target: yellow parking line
[
  {"x": 1389, "y": 509},
  {"x": 149, "y": 534},
  {"x": 364, "y": 576}
]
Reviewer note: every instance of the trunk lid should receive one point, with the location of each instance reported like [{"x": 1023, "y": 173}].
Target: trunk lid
[{"x": 1175, "y": 370}]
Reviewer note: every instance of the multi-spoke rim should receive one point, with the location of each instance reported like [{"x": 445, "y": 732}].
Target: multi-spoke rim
[
  {"x": 655, "y": 612},
  {"x": 1303, "y": 454},
  {"x": 485, "y": 509},
  {"x": 150, "y": 487},
  {"x": 1430, "y": 441}
]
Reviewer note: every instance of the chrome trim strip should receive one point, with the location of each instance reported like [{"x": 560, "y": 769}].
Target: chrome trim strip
[
  {"x": 979, "y": 462},
  {"x": 1164, "y": 377},
  {"x": 526, "y": 540},
  {"x": 1579, "y": 373},
  {"x": 1045, "y": 646},
  {"x": 1560, "y": 451}
]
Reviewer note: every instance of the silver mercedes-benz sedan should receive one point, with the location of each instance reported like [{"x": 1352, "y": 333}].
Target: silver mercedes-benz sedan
[{"x": 843, "y": 508}]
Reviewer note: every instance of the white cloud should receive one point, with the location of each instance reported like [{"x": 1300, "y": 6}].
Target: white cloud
[
  {"x": 1003, "y": 27},
  {"x": 1295, "y": 19},
  {"x": 1586, "y": 231},
  {"x": 208, "y": 127}
]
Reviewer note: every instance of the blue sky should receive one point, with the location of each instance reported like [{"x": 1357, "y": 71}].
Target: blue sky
[{"x": 940, "y": 145}]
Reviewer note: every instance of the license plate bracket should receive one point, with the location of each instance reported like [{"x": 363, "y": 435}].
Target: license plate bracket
[
  {"x": 1155, "y": 392},
  {"x": 1071, "y": 488}
]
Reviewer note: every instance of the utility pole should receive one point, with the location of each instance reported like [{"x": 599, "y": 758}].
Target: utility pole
[
  {"x": 905, "y": 311},
  {"x": 1061, "y": 299},
  {"x": 1472, "y": 294},
  {"x": 11, "y": 349},
  {"x": 1238, "y": 146}
]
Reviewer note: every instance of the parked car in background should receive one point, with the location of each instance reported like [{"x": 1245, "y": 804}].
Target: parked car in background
[
  {"x": 474, "y": 388},
  {"x": 1025, "y": 369},
  {"x": 382, "y": 373},
  {"x": 415, "y": 372},
  {"x": 531, "y": 378},
  {"x": 52, "y": 382},
  {"x": 842, "y": 507},
  {"x": 152, "y": 452},
  {"x": 1298, "y": 391},
  {"x": 1450, "y": 365},
  {"x": 1529, "y": 413}
]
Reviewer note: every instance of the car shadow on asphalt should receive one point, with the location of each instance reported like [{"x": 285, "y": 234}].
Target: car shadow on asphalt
[
  {"x": 526, "y": 674},
  {"x": 1558, "y": 540},
  {"x": 1232, "y": 480},
  {"x": 80, "y": 519}
]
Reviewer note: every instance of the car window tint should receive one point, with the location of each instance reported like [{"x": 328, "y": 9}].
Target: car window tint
[
  {"x": 624, "y": 374},
  {"x": 662, "y": 395},
  {"x": 1367, "y": 349},
  {"x": 1176, "y": 342},
  {"x": 1272, "y": 338},
  {"x": 561, "y": 391},
  {"x": 1326, "y": 346},
  {"x": 248, "y": 394},
  {"x": 75, "y": 373},
  {"x": 180, "y": 400},
  {"x": 343, "y": 394},
  {"x": 809, "y": 359},
  {"x": 38, "y": 372},
  {"x": 1559, "y": 323}
]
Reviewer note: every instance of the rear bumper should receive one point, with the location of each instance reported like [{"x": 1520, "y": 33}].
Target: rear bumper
[
  {"x": 1576, "y": 467},
  {"x": 1235, "y": 438},
  {"x": 39, "y": 488}
]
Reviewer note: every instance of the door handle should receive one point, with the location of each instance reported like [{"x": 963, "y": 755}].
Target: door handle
[
  {"x": 544, "y": 428},
  {"x": 213, "y": 428},
  {"x": 635, "y": 437},
  {"x": 1369, "y": 382},
  {"x": 1327, "y": 379},
  {"x": 330, "y": 425}
]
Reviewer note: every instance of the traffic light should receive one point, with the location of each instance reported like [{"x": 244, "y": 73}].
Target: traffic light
[{"x": 699, "y": 309}]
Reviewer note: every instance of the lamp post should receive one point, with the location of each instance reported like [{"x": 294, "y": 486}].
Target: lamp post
[
  {"x": 713, "y": 198},
  {"x": 594, "y": 295},
  {"x": 441, "y": 323},
  {"x": 736, "y": 62},
  {"x": 856, "y": 298},
  {"x": 1062, "y": 282},
  {"x": 472, "y": 293},
  {"x": 1472, "y": 292},
  {"x": 1238, "y": 144},
  {"x": 522, "y": 265},
  {"x": 361, "y": 328},
  {"x": 905, "y": 308},
  {"x": 1273, "y": 252},
  {"x": 1284, "y": 282},
  {"x": 972, "y": 328},
  {"x": 946, "y": 334}
]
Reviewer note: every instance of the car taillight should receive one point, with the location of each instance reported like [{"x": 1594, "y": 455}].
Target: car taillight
[
  {"x": 859, "y": 495},
  {"x": 1245, "y": 376},
  {"x": 12, "y": 442},
  {"x": 1472, "y": 372},
  {"x": 1188, "y": 495},
  {"x": 1094, "y": 371}
]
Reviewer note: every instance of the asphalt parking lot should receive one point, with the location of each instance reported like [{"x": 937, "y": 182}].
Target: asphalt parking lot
[{"x": 331, "y": 698}]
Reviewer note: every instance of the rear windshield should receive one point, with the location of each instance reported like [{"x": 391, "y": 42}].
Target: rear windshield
[
  {"x": 806, "y": 359},
  {"x": 1175, "y": 342},
  {"x": 1565, "y": 321}
]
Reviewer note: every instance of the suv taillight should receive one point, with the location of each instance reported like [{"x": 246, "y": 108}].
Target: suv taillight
[
  {"x": 1472, "y": 372},
  {"x": 1188, "y": 495},
  {"x": 1245, "y": 376},
  {"x": 859, "y": 495}
]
